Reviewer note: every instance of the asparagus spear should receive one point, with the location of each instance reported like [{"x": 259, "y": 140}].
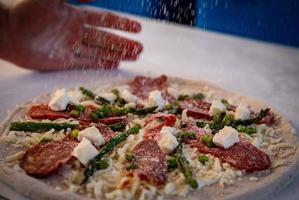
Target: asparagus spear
[
  {"x": 87, "y": 92},
  {"x": 39, "y": 126},
  {"x": 107, "y": 149},
  {"x": 185, "y": 168},
  {"x": 117, "y": 126},
  {"x": 145, "y": 111},
  {"x": 90, "y": 94}
]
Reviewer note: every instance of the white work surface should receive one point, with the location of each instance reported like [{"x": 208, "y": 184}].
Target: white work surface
[{"x": 267, "y": 72}]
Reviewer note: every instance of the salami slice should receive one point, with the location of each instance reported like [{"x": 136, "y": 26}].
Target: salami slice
[
  {"x": 45, "y": 159},
  {"x": 197, "y": 109},
  {"x": 114, "y": 120},
  {"x": 141, "y": 86},
  {"x": 106, "y": 132},
  {"x": 155, "y": 123},
  {"x": 44, "y": 112},
  {"x": 242, "y": 155},
  {"x": 151, "y": 162}
]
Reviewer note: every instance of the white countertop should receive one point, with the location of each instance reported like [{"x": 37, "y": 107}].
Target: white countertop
[{"x": 265, "y": 71}]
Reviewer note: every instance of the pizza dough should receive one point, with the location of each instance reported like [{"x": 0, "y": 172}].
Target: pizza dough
[{"x": 267, "y": 184}]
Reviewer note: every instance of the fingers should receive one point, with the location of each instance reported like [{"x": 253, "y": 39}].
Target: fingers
[
  {"x": 112, "y": 21},
  {"x": 95, "y": 52},
  {"x": 111, "y": 42},
  {"x": 87, "y": 63}
]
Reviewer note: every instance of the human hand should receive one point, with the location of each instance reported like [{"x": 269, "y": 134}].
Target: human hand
[{"x": 53, "y": 35}]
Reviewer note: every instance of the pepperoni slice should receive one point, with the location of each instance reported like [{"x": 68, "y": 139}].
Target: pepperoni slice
[
  {"x": 141, "y": 85},
  {"x": 106, "y": 132},
  {"x": 44, "y": 112},
  {"x": 151, "y": 162},
  {"x": 45, "y": 159},
  {"x": 155, "y": 123},
  {"x": 197, "y": 109},
  {"x": 241, "y": 155}
]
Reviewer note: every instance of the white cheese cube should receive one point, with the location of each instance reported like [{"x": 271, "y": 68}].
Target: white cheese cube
[
  {"x": 127, "y": 96},
  {"x": 75, "y": 96},
  {"x": 169, "y": 129},
  {"x": 109, "y": 96},
  {"x": 93, "y": 134},
  {"x": 84, "y": 151},
  {"x": 167, "y": 142},
  {"x": 216, "y": 108},
  {"x": 242, "y": 112},
  {"x": 226, "y": 137},
  {"x": 155, "y": 99},
  {"x": 59, "y": 100}
]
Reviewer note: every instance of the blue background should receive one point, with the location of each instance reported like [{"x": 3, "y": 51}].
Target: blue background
[{"x": 268, "y": 20}]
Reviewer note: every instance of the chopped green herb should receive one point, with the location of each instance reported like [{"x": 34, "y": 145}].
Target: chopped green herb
[
  {"x": 94, "y": 115},
  {"x": 199, "y": 96},
  {"x": 227, "y": 120},
  {"x": 207, "y": 140},
  {"x": 129, "y": 157},
  {"x": 132, "y": 166},
  {"x": 80, "y": 108},
  {"x": 102, "y": 164},
  {"x": 203, "y": 159},
  {"x": 75, "y": 113},
  {"x": 172, "y": 164},
  {"x": 188, "y": 135},
  {"x": 245, "y": 129},
  {"x": 182, "y": 97},
  {"x": 168, "y": 107},
  {"x": 201, "y": 124},
  {"x": 75, "y": 133}
]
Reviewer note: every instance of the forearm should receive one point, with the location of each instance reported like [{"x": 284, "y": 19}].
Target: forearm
[{"x": 4, "y": 38}]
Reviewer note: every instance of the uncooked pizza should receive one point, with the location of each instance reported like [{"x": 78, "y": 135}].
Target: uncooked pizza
[{"x": 147, "y": 138}]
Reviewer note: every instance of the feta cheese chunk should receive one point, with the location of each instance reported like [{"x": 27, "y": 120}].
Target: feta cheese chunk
[
  {"x": 226, "y": 137},
  {"x": 127, "y": 95},
  {"x": 169, "y": 129},
  {"x": 84, "y": 151},
  {"x": 216, "y": 108},
  {"x": 109, "y": 96},
  {"x": 93, "y": 134},
  {"x": 167, "y": 142},
  {"x": 155, "y": 99},
  {"x": 242, "y": 112},
  {"x": 75, "y": 96},
  {"x": 59, "y": 100}
]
